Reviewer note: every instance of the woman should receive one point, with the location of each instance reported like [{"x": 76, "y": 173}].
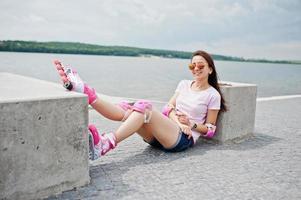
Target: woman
[{"x": 190, "y": 113}]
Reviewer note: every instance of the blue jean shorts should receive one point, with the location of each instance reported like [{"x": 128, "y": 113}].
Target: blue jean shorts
[{"x": 182, "y": 143}]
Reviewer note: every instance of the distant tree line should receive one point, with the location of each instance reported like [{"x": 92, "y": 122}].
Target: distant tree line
[{"x": 91, "y": 49}]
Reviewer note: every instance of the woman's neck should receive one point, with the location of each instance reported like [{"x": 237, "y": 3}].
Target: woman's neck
[{"x": 200, "y": 84}]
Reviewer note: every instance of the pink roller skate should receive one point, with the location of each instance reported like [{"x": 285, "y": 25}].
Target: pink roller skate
[
  {"x": 99, "y": 145},
  {"x": 73, "y": 82}
]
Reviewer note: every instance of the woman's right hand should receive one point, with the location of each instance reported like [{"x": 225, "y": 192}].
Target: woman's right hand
[{"x": 183, "y": 119}]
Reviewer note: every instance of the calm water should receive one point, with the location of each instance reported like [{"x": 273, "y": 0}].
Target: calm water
[{"x": 151, "y": 78}]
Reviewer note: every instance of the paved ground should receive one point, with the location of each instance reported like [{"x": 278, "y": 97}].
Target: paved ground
[{"x": 266, "y": 166}]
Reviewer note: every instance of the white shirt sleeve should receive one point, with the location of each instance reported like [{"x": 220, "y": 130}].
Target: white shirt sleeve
[
  {"x": 180, "y": 86},
  {"x": 215, "y": 102}
]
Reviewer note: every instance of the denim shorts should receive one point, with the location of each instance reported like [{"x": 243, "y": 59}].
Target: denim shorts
[{"x": 182, "y": 143}]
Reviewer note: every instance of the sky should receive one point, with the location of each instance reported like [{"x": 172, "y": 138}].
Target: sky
[{"x": 268, "y": 29}]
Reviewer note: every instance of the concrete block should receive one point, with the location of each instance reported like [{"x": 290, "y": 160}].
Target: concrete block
[
  {"x": 43, "y": 138},
  {"x": 238, "y": 122}
]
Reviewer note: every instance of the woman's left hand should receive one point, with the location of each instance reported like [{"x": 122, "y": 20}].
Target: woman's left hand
[{"x": 186, "y": 130}]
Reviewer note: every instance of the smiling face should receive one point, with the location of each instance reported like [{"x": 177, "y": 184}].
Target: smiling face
[{"x": 200, "y": 68}]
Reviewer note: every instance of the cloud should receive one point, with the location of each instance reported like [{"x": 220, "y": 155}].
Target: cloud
[
  {"x": 233, "y": 27},
  {"x": 237, "y": 47}
]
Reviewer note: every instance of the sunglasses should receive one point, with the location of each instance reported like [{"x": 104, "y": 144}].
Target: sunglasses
[{"x": 193, "y": 65}]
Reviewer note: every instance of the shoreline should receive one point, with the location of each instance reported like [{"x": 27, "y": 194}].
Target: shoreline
[
  {"x": 78, "y": 48},
  {"x": 160, "y": 57}
]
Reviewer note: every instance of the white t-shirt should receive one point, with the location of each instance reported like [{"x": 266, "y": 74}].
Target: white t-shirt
[{"x": 195, "y": 104}]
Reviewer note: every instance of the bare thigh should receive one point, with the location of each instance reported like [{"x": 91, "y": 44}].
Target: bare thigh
[{"x": 160, "y": 127}]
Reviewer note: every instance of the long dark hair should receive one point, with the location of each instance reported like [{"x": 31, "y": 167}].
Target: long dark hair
[{"x": 213, "y": 77}]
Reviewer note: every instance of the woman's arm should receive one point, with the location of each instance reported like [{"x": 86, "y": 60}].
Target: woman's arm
[
  {"x": 172, "y": 100},
  {"x": 172, "y": 105},
  {"x": 211, "y": 119}
]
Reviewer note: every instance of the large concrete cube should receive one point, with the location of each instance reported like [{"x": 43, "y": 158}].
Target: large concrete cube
[
  {"x": 238, "y": 122},
  {"x": 43, "y": 138}
]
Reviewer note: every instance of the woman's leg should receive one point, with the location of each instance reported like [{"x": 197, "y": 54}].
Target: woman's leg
[
  {"x": 109, "y": 141},
  {"x": 107, "y": 109},
  {"x": 159, "y": 127}
]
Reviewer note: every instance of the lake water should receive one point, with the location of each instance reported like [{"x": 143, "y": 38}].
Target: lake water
[{"x": 151, "y": 77}]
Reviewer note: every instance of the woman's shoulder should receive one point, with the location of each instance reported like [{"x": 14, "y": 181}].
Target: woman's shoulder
[
  {"x": 183, "y": 85},
  {"x": 213, "y": 92},
  {"x": 185, "y": 82}
]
